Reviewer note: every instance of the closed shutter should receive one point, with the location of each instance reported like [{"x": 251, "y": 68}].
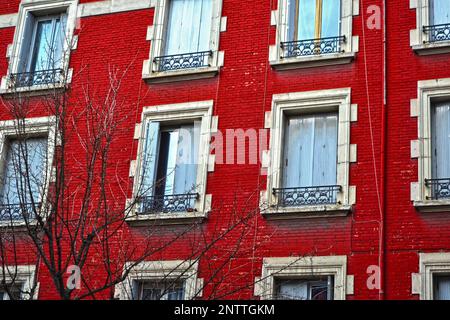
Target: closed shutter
[{"x": 150, "y": 158}]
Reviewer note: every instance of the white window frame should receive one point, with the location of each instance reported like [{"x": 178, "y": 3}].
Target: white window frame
[
  {"x": 31, "y": 126},
  {"x": 200, "y": 110},
  {"x": 298, "y": 267},
  {"x": 156, "y": 35},
  {"x": 42, "y": 7},
  {"x": 419, "y": 40},
  {"x": 349, "y": 48},
  {"x": 428, "y": 90},
  {"x": 430, "y": 264},
  {"x": 24, "y": 275},
  {"x": 338, "y": 100},
  {"x": 179, "y": 270}
]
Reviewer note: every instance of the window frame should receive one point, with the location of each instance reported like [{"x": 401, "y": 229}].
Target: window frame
[
  {"x": 38, "y": 9},
  {"x": 338, "y": 100},
  {"x": 24, "y": 275},
  {"x": 156, "y": 35},
  {"x": 33, "y": 127},
  {"x": 304, "y": 267},
  {"x": 176, "y": 270},
  {"x": 348, "y": 48},
  {"x": 182, "y": 112},
  {"x": 421, "y": 149},
  {"x": 430, "y": 265}
]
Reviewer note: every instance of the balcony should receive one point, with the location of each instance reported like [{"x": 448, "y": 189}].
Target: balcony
[
  {"x": 440, "y": 188},
  {"x": 437, "y": 33},
  {"x": 17, "y": 212},
  {"x": 37, "y": 78},
  {"x": 312, "y": 47},
  {"x": 185, "y": 61},
  {"x": 307, "y": 196},
  {"x": 168, "y": 203}
]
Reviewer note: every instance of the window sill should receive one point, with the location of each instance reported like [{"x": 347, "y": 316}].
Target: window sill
[
  {"x": 313, "y": 61},
  {"x": 305, "y": 212},
  {"x": 167, "y": 218},
  {"x": 432, "y": 48},
  {"x": 433, "y": 206},
  {"x": 19, "y": 225},
  {"x": 181, "y": 75}
]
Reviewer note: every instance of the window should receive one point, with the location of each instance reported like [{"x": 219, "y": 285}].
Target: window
[
  {"x": 15, "y": 291},
  {"x": 304, "y": 289},
  {"x": 304, "y": 278},
  {"x": 185, "y": 39},
  {"x": 441, "y": 287},
  {"x": 20, "y": 281},
  {"x": 23, "y": 176},
  {"x": 310, "y": 32},
  {"x": 159, "y": 290},
  {"x": 310, "y": 154},
  {"x": 170, "y": 168},
  {"x": 42, "y": 42},
  {"x": 173, "y": 160}
]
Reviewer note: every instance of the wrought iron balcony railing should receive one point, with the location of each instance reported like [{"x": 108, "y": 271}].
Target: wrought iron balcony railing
[
  {"x": 17, "y": 212},
  {"x": 440, "y": 188},
  {"x": 307, "y": 196},
  {"x": 37, "y": 78},
  {"x": 168, "y": 203},
  {"x": 183, "y": 61},
  {"x": 310, "y": 47},
  {"x": 438, "y": 32}
]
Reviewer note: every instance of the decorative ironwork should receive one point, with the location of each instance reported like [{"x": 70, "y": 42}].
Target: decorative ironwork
[
  {"x": 17, "y": 211},
  {"x": 307, "y": 196},
  {"x": 438, "y": 32},
  {"x": 440, "y": 188},
  {"x": 168, "y": 203},
  {"x": 37, "y": 78},
  {"x": 183, "y": 61},
  {"x": 311, "y": 47}
]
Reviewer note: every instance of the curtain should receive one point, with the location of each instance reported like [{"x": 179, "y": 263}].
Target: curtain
[
  {"x": 189, "y": 26},
  {"x": 440, "y": 12},
  {"x": 440, "y": 140},
  {"x": 310, "y": 154},
  {"x": 331, "y": 18},
  {"x": 443, "y": 286},
  {"x": 187, "y": 159},
  {"x": 150, "y": 158},
  {"x": 24, "y": 171}
]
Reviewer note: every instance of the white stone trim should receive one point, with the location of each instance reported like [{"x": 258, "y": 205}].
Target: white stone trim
[
  {"x": 185, "y": 270},
  {"x": 311, "y": 101},
  {"x": 429, "y": 265},
  {"x": 199, "y": 110},
  {"x": 28, "y": 7},
  {"x": 8, "y": 20},
  {"x": 304, "y": 267},
  {"x": 24, "y": 275},
  {"x": 157, "y": 37},
  {"x": 349, "y": 48},
  {"x": 112, "y": 6},
  {"x": 419, "y": 40},
  {"x": 31, "y": 126},
  {"x": 428, "y": 90}
]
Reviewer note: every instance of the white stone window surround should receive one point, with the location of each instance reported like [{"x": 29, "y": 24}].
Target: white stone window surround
[
  {"x": 309, "y": 102},
  {"x": 430, "y": 264},
  {"x": 308, "y": 266},
  {"x": 349, "y": 48},
  {"x": 41, "y": 7},
  {"x": 175, "y": 270},
  {"x": 156, "y": 35},
  {"x": 419, "y": 40},
  {"x": 33, "y": 127},
  {"x": 24, "y": 275},
  {"x": 428, "y": 90},
  {"x": 200, "y": 110}
]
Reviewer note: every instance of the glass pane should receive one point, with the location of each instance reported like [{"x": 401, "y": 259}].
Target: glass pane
[
  {"x": 440, "y": 12},
  {"x": 304, "y": 289},
  {"x": 186, "y": 159},
  {"x": 306, "y": 20},
  {"x": 43, "y": 45},
  {"x": 24, "y": 169},
  {"x": 331, "y": 16},
  {"x": 441, "y": 140},
  {"x": 310, "y": 152},
  {"x": 189, "y": 26},
  {"x": 161, "y": 291},
  {"x": 441, "y": 287}
]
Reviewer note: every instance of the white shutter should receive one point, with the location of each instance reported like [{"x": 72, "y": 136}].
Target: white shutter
[
  {"x": 150, "y": 158},
  {"x": 25, "y": 43}
]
